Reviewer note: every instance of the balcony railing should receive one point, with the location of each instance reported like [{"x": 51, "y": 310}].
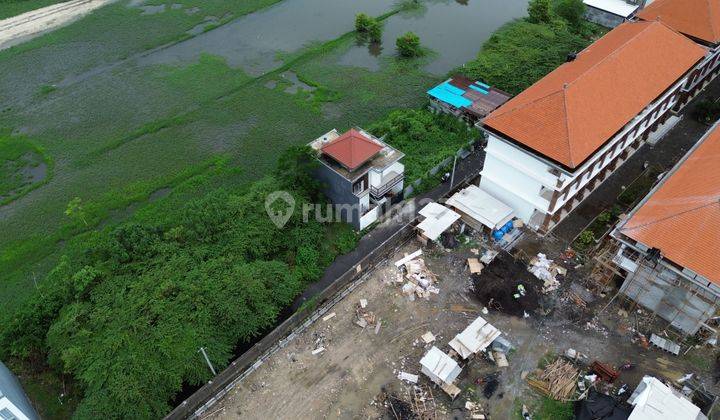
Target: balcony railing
[{"x": 387, "y": 185}]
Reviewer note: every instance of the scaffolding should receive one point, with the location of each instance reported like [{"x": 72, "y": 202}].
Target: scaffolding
[
  {"x": 604, "y": 269},
  {"x": 680, "y": 302}
]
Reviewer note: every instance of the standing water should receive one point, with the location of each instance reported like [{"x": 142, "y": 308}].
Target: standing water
[{"x": 453, "y": 29}]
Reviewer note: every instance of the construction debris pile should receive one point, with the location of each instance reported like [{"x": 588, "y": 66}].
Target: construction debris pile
[
  {"x": 558, "y": 380},
  {"x": 363, "y": 316},
  {"x": 415, "y": 277},
  {"x": 547, "y": 271},
  {"x": 507, "y": 286},
  {"x": 414, "y": 402}
]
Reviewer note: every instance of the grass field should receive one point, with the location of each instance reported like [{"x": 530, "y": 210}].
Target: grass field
[
  {"x": 123, "y": 133},
  {"x": 23, "y": 167}
]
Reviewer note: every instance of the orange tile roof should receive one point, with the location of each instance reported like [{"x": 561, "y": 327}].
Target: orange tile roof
[
  {"x": 696, "y": 18},
  {"x": 570, "y": 113},
  {"x": 682, "y": 217},
  {"x": 352, "y": 149}
]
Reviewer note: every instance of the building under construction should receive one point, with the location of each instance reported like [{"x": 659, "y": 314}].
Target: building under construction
[{"x": 669, "y": 245}]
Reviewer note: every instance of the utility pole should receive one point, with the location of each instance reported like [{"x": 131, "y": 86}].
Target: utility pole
[
  {"x": 452, "y": 177},
  {"x": 212, "y": 369}
]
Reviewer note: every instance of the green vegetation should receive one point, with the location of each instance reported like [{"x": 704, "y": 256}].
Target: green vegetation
[
  {"x": 10, "y": 8},
  {"x": 523, "y": 51},
  {"x": 550, "y": 409},
  {"x": 368, "y": 27},
  {"x": 426, "y": 138},
  {"x": 408, "y": 45},
  {"x": 639, "y": 187},
  {"x": 539, "y": 11},
  {"x": 363, "y": 22},
  {"x": 23, "y": 167},
  {"x": 573, "y": 11},
  {"x": 127, "y": 308}
]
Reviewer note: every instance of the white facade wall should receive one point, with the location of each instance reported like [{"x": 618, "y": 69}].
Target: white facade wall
[
  {"x": 525, "y": 181},
  {"x": 6, "y": 404},
  {"x": 369, "y": 218},
  {"x": 516, "y": 178},
  {"x": 375, "y": 177}
]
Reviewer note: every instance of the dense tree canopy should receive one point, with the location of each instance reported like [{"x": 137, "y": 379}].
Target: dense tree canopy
[
  {"x": 523, "y": 51},
  {"x": 126, "y": 310},
  {"x": 425, "y": 138}
]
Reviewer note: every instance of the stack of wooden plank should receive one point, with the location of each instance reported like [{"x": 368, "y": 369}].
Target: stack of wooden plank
[{"x": 557, "y": 381}]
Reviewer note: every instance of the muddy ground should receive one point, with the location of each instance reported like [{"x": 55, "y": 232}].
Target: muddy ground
[{"x": 348, "y": 379}]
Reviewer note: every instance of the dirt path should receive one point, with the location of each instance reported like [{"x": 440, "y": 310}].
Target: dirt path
[{"x": 21, "y": 28}]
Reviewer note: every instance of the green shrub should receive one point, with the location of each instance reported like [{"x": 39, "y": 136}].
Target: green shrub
[
  {"x": 374, "y": 31},
  {"x": 522, "y": 52},
  {"x": 408, "y": 45},
  {"x": 586, "y": 238},
  {"x": 572, "y": 11},
  {"x": 127, "y": 308},
  {"x": 539, "y": 11},
  {"x": 363, "y": 22},
  {"x": 604, "y": 217},
  {"x": 425, "y": 138}
]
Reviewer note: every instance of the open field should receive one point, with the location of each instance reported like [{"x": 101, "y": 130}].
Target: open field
[{"x": 123, "y": 133}]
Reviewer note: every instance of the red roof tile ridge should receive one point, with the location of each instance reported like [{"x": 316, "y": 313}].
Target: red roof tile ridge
[
  {"x": 709, "y": 16},
  {"x": 615, "y": 51},
  {"x": 567, "y": 125},
  {"x": 672, "y": 216}
]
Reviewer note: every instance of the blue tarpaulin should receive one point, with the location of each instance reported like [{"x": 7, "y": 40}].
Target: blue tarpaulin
[{"x": 450, "y": 94}]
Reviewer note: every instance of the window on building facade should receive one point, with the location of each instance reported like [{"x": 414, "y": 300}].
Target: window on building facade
[{"x": 5, "y": 414}]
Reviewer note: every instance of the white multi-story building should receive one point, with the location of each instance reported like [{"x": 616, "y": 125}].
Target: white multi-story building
[
  {"x": 553, "y": 144},
  {"x": 14, "y": 404}
]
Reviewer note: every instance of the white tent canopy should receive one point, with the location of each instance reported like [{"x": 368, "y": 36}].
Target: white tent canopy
[
  {"x": 439, "y": 367},
  {"x": 653, "y": 400},
  {"x": 475, "y": 338},
  {"x": 438, "y": 219},
  {"x": 481, "y": 206}
]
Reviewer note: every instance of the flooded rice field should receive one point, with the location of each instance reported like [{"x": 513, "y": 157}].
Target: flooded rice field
[{"x": 453, "y": 29}]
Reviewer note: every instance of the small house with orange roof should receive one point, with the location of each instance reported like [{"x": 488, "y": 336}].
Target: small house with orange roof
[
  {"x": 361, "y": 174},
  {"x": 699, "y": 20},
  {"x": 550, "y": 146},
  {"x": 670, "y": 243}
]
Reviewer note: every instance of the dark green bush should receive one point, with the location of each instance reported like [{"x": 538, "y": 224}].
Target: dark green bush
[{"x": 408, "y": 45}]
